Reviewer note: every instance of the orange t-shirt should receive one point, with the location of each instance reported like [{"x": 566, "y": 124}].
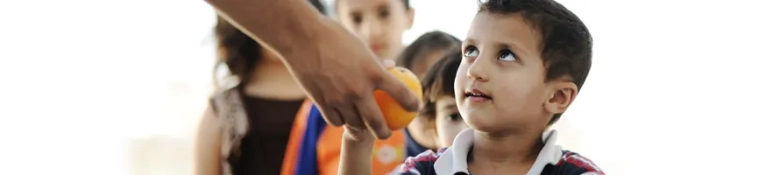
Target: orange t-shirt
[{"x": 387, "y": 154}]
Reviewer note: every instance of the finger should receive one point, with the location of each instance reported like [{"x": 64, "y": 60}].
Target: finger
[
  {"x": 352, "y": 117},
  {"x": 332, "y": 116},
  {"x": 388, "y": 63},
  {"x": 398, "y": 90},
  {"x": 372, "y": 116}
]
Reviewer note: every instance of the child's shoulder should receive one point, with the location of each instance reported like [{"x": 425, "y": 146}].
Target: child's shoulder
[
  {"x": 571, "y": 163},
  {"x": 422, "y": 164}
]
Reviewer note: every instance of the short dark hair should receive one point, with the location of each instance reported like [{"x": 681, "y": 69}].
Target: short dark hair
[
  {"x": 566, "y": 42},
  {"x": 406, "y": 4},
  {"x": 426, "y": 44},
  {"x": 238, "y": 51},
  {"x": 439, "y": 81}
]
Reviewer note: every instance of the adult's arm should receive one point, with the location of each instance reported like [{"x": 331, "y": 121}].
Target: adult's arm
[
  {"x": 285, "y": 26},
  {"x": 337, "y": 70}
]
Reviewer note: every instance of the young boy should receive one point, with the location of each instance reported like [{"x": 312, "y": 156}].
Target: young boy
[
  {"x": 439, "y": 121},
  {"x": 441, "y": 109},
  {"x": 419, "y": 57},
  {"x": 523, "y": 64}
]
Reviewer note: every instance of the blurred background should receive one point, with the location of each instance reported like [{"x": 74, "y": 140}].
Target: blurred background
[{"x": 117, "y": 87}]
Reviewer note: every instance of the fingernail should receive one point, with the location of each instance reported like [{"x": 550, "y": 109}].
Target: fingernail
[
  {"x": 388, "y": 63},
  {"x": 386, "y": 134}
]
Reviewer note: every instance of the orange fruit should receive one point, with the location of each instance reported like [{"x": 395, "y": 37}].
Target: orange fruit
[{"x": 395, "y": 115}]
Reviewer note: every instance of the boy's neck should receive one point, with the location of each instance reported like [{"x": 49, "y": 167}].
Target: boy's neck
[{"x": 505, "y": 153}]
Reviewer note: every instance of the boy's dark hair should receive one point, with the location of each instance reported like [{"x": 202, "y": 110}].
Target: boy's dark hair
[
  {"x": 566, "y": 42},
  {"x": 428, "y": 43},
  {"x": 237, "y": 50},
  {"x": 439, "y": 81}
]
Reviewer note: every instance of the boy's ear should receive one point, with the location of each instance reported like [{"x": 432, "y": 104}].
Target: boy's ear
[
  {"x": 560, "y": 96},
  {"x": 410, "y": 18}
]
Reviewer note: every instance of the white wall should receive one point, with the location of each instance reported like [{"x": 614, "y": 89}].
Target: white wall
[{"x": 677, "y": 86}]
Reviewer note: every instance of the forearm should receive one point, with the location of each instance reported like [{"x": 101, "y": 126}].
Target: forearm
[
  {"x": 356, "y": 157},
  {"x": 284, "y": 26}
]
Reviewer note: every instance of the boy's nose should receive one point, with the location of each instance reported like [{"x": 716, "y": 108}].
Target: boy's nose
[
  {"x": 478, "y": 69},
  {"x": 371, "y": 30}
]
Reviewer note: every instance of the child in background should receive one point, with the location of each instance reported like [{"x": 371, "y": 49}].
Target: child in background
[
  {"x": 254, "y": 127},
  {"x": 524, "y": 62},
  {"x": 380, "y": 23},
  {"x": 427, "y": 50},
  {"x": 440, "y": 117},
  {"x": 418, "y": 57},
  {"x": 439, "y": 90}
]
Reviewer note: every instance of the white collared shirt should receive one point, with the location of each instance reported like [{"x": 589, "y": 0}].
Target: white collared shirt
[{"x": 453, "y": 161}]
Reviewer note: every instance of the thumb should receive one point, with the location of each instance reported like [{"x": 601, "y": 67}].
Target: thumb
[{"x": 398, "y": 90}]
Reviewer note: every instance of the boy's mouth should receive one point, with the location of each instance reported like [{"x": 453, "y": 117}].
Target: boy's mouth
[
  {"x": 477, "y": 95},
  {"x": 377, "y": 48}
]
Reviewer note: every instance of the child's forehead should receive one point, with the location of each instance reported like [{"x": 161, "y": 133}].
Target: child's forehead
[
  {"x": 504, "y": 29},
  {"x": 367, "y": 4}
]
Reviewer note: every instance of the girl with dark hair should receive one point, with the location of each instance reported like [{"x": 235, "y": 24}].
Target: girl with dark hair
[
  {"x": 419, "y": 57},
  {"x": 255, "y": 126}
]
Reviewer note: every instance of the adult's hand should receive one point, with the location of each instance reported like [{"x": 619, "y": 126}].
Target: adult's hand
[
  {"x": 342, "y": 77},
  {"x": 336, "y": 69}
]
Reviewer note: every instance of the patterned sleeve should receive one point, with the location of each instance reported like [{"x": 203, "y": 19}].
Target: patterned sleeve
[
  {"x": 421, "y": 164},
  {"x": 576, "y": 164}
]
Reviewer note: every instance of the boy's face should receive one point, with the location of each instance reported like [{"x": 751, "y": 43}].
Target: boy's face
[
  {"x": 448, "y": 121},
  {"x": 380, "y": 23},
  {"x": 502, "y": 61}
]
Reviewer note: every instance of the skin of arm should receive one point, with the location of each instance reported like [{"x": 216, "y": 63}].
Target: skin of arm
[
  {"x": 207, "y": 145},
  {"x": 337, "y": 70},
  {"x": 356, "y": 152},
  {"x": 284, "y": 26}
]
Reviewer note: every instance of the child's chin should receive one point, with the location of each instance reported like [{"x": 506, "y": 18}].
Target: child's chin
[{"x": 484, "y": 125}]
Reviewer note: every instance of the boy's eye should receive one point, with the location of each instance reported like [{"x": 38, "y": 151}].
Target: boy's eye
[
  {"x": 470, "y": 52},
  {"x": 506, "y": 55},
  {"x": 454, "y": 117},
  {"x": 384, "y": 13},
  {"x": 357, "y": 19}
]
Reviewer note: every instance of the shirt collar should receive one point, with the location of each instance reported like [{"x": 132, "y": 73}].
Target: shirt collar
[{"x": 454, "y": 159}]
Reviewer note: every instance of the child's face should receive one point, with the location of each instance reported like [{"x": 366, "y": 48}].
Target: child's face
[
  {"x": 502, "y": 60},
  {"x": 448, "y": 121},
  {"x": 380, "y": 23}
]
